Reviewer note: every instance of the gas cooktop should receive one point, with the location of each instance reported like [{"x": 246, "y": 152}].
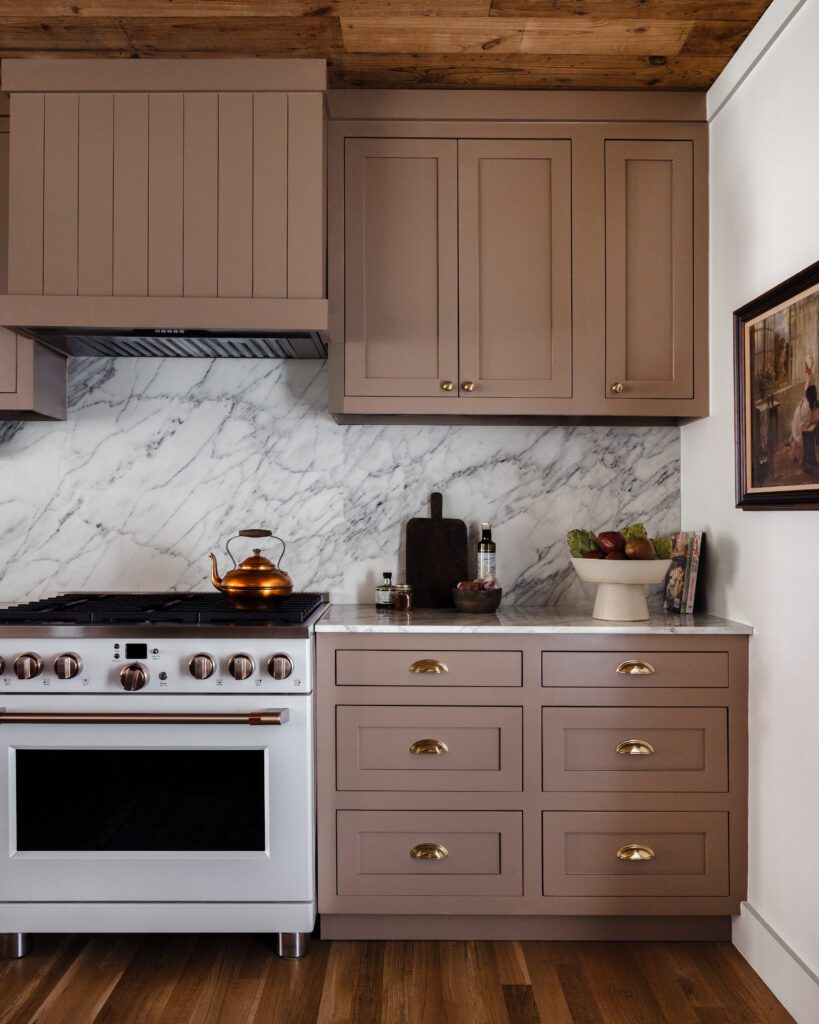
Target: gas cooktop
[{"x": 173, "y": 608}]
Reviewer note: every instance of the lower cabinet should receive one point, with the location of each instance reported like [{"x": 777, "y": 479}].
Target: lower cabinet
[{"x": 587, "y": 799}]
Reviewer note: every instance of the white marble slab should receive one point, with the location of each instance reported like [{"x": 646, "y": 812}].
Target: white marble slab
[
  {"x": 358, "y": 618},
  {"x": 161, "y": 460}
]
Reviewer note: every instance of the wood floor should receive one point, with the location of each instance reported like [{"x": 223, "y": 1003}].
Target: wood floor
[{"x": 181, "y": 979}]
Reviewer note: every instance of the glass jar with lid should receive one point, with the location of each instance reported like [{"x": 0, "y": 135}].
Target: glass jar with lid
[{"x": 402, "y": 597}]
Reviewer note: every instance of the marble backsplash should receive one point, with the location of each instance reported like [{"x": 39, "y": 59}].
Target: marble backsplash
[{"x": 161, "y": 460}]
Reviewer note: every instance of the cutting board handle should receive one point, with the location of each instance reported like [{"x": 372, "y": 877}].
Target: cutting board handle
[{"x": 436, "y": 505}]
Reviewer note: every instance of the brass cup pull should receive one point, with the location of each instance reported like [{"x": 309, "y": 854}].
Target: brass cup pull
[
  {"x": 617, "y": 388},
  {"x": 429, "y": 747},
  {"x": 468, "y": 385},
  {"x": 636, "y": 851},
  {"x": 428, "y": 665},
  {"x": 636, "y": 668},
  {"x": 635, "y": 747},
  {"x": 447, "y": 385},
  {"x": 429, "y": 851}
]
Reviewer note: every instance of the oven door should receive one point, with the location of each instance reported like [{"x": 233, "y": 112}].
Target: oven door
[{"x": 159, "y": 803}]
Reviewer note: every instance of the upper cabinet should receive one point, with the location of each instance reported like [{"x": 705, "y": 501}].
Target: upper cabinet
[
  {"x": 166, "y": 193},
  {"x": 543, "y": 268}
]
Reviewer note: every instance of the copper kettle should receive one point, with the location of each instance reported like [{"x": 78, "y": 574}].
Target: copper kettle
[{"x": 255, "y": 582}]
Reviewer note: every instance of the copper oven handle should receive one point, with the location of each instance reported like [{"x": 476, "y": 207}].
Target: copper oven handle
[{"x": 268, "y": 716}]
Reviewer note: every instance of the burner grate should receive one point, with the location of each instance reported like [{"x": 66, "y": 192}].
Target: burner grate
[{"x": 193, "y": 608}]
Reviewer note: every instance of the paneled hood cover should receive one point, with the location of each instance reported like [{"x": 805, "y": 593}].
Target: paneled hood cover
[{"x": 165, "y": 343}]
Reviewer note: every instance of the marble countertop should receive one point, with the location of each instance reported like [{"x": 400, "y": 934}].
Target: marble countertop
[{"x": 360, "y": 618}]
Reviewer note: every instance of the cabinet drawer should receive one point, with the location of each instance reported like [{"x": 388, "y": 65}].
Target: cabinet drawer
[
  {"x": 690, "y": 853},
  {"x": 634, "y": 668},
  {"x": 631, "y": 750},
  {"x": 481, "y": 853},
  {"x": 429, "y": 749},
  {"x": 429, "y": 667}
]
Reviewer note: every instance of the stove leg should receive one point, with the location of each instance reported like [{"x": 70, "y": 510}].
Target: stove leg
[
  {"x": 14, "y": 945},
  {"x": 292, "y": 945}
]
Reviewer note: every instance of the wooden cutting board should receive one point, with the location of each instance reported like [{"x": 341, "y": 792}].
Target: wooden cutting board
[{"x": 436, "y": 556}]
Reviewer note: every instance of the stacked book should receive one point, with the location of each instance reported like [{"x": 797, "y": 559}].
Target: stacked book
[{"x": 681, "y": 579}]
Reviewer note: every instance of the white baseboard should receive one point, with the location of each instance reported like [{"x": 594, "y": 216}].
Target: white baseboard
[{"x": 789, "y": 978}]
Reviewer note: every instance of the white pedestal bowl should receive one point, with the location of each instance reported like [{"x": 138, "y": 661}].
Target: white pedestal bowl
[{"x": 620, "y": 585}]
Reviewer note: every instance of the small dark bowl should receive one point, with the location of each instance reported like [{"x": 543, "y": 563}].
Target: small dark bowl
[{"x": 477, "y": 600}]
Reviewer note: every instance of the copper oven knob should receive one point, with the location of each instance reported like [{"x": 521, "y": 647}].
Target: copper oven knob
[
  {"x": 67, "y": 665},
  {"x": 28, "y": 665},
  {"x": 2, "y": 666},
  {"x": 133, "y": 676},
  {"x": 280, "y": 666},
  {"x": 241, "y": 666},
  {"x": 202, "y": 666}
]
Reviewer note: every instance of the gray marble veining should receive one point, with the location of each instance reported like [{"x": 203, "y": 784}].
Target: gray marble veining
[
  {"x": 345, "y": 618},
  {"x": 161, "y": 460}
]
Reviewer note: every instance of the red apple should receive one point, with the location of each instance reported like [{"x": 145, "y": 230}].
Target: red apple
[
  {"x": 640, "y": 549},
  {"x": 610, "y": 541},
  {"x": 597, "y": 553},
  {"x": 615, "y": 556}
]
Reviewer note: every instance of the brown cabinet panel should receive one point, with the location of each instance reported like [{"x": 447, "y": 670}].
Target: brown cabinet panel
[
  {"x": 418, "y": 668},
  {"x": 201, "y": 193},
  {"x": 688, "y": 853},
  {"x": 8, "y": 362},
  {"x": 480, "y": 853},
  {"x": 401, "y": 272},
  {"x": 32, "y": 379},
  {"x": 131, "y": 194},
  {"x": 635, "y": 749},
  {"x": 60, "y": 163},
  {"x": 429, "y": 749},
  {"x": 95, "y": 217},
  {"x": 25, "y": 242},
  {"x": 165, "y": 193},
  {"x": 515, "y": 281},
  {"x": 649, "y": 269},
  {"x": 617, "y": 668},
  {"x": 235, "y": 242}
]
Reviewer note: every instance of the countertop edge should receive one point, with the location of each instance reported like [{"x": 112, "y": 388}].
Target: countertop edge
[{"x": 533, "y": 620}]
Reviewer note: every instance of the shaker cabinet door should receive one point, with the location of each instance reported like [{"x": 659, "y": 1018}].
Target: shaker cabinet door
[
  {"x": 515, "y": 268},
  {"x": 401, "y": 268},
  {"x": 649, "y": 224}
]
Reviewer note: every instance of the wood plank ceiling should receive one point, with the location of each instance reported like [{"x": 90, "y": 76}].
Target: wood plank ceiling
[{"x": 483, "y": 44}]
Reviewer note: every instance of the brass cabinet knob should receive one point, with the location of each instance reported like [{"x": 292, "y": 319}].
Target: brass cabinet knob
[
  {"x": 635, "y": 668},
  {"x": 636, "y": 851},
  {"x": 28, "y": 665},
  {"x": 468, "y": 385},
  {"x": 447, "y": 385},
  {"x": 429, "y": 851},
  {"x": 429, "y": 747},
  {"x": 426, "y": 665},
  {"x": 67, "y": 665},
  {"x": 617, "y": 388},
  {"x": 634, "y": 747}
]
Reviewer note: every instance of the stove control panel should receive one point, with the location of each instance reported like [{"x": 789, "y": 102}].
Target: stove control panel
[{"x": 169, "y": 665}]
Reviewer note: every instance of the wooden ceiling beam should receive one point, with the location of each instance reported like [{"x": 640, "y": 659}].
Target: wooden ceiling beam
[{"x": 522, "y": 71}]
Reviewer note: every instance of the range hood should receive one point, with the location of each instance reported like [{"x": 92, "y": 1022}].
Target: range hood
[
  {"x": 167, "y": 207},
  {"x": 159, "y": 343}
]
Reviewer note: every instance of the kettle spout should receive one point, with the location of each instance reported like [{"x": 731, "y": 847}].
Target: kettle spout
[{"x": 215, "y": 578}]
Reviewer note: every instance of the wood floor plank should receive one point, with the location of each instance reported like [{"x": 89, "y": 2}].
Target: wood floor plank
[
  {"x": 292, "y": 989},
  {"x": 142, "y": 993},
  {"x": 547, "y": 989},
  {"x": 84, "y": 988},
  {"x": 520, "y": 1004},
  {"x": 511, "y": 963},
  {"x": 213, "y": 979},
  {"x": 25, "y": 983},
  {"x": 352, "y": 989},
  {"x": 412, "y": 984}
]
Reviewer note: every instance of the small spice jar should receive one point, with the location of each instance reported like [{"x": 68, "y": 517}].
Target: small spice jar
[{"x": 402, "y": 597}]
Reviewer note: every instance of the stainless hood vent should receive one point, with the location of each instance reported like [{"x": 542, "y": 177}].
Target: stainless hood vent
[{"x": 171, "y": 344}]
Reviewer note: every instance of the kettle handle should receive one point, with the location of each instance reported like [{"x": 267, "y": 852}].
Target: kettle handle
[{"x": 254, "y": 533}]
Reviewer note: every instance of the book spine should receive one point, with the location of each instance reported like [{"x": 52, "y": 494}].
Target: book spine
[
  {"x": 680, "y": 547},
  {"x": 695, "y": 568},
  {"x": 689, "y": 557}
]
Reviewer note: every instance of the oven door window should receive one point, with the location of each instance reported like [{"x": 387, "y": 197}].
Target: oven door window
[{"x": 141, "y": 800}]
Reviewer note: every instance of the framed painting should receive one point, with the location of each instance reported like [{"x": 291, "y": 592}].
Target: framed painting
[{"x": 776, "y": 363}]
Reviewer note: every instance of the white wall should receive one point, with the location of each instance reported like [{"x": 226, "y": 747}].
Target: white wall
[{"x": 764, "y": 566}]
